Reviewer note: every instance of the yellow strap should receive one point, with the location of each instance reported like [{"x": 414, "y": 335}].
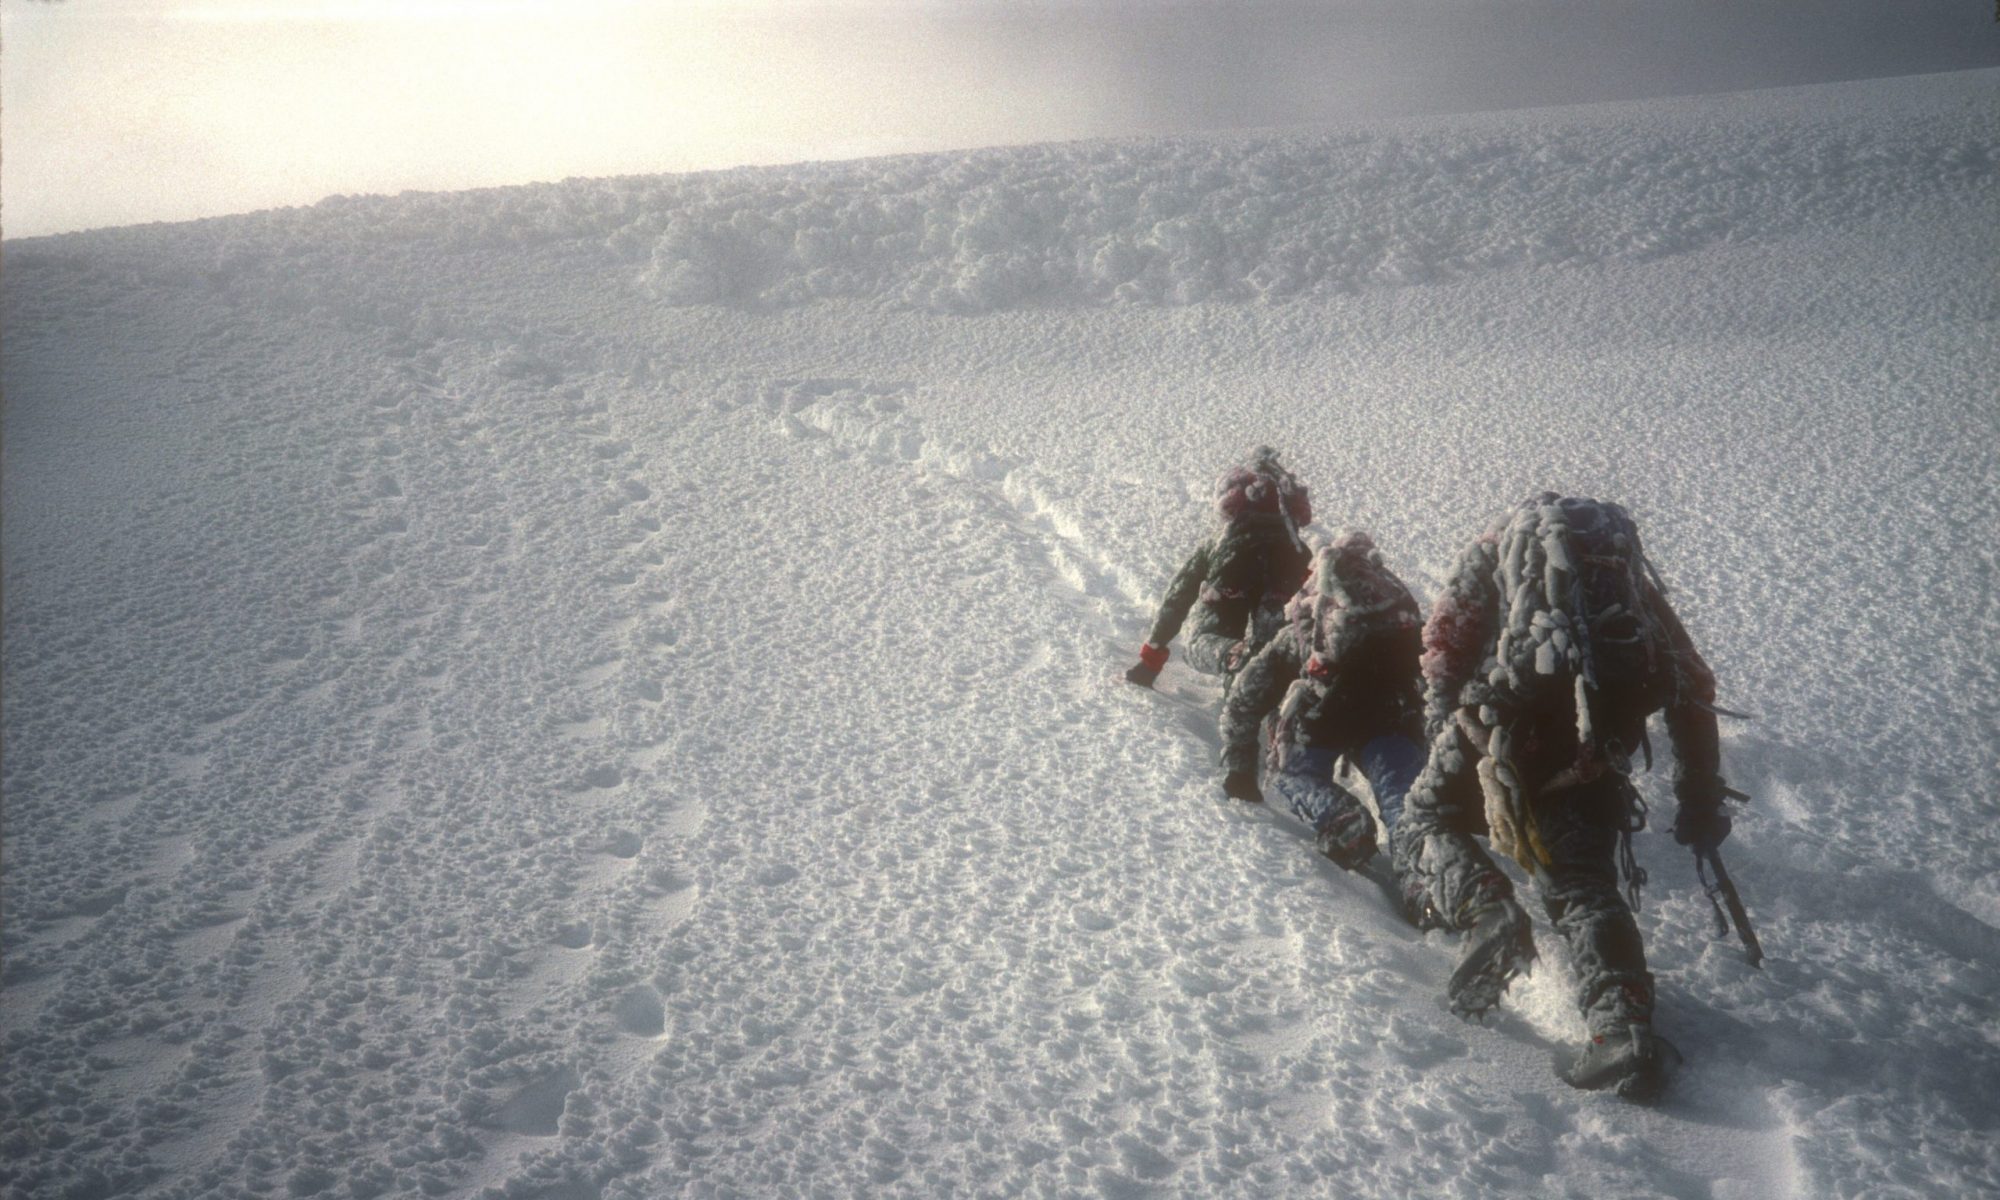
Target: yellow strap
[{"x": 1509, "y": 823}]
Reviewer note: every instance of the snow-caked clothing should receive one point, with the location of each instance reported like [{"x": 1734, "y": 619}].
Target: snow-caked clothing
[
  {"x": 1343, "y": 678},
  {"x": 1232, "y": 589},
  {"x": 1551, "y": 645},
  {"x": 1260, "y": 485},
  {"x": 1345, "y": 667},
  {"x": 1235, "y": 584}
]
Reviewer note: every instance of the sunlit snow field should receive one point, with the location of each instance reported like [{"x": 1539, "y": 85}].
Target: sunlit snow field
[{"x": 612, "y": 689}]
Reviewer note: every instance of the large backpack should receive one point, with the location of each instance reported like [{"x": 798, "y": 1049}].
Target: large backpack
[
  {"x": 1575, "y": 619},
  {"x": 1260, "y": 485},
  {"x": 1259, "y": 557},
  {"x": 1578, "y": 628},
  {"x": 1352, "y": 617},
  {"x": 1349, "y": 600}
]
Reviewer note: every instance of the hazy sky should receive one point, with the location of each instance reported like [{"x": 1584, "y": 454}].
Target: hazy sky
[{"x": 120, "y": 111}]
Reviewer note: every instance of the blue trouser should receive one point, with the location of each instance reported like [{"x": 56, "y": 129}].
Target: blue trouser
[{"x": 1390, "y": 763}]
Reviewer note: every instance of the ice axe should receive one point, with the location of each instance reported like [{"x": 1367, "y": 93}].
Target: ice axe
[{"x": 1721, "y": 891}]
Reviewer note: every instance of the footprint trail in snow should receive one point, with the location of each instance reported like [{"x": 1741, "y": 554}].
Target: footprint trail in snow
[{"x": 484, "y": 719}]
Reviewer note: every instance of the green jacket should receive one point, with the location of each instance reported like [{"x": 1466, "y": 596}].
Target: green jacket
[{"x": 1229, "y": 575}]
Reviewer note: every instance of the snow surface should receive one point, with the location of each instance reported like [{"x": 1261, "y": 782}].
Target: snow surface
[{"x": 611, "y": 688}]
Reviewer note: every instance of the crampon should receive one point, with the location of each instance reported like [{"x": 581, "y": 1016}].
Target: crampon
[{"x": 1499, "y": 946}]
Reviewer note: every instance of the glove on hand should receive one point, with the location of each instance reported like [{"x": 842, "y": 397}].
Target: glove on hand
[
  {"x": 1152, "y": 660},
  {"x": 1239, "y": 653},
  {"x": 1703, "y": 820},
  {"x": 1702, "y": 828},
  {"x": 1242, "y": 785}
]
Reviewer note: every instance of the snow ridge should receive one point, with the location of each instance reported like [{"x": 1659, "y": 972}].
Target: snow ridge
[{"x": 1179, "y": 221}]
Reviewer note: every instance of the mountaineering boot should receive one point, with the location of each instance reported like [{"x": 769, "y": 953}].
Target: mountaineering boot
[
  {"x": 1632, "y": 1060},
  {"x": 1499, "y": 944},
  {"x": 1242, "y": 785},
  {"x": 1417, "y": 907},
  {"x": 1348, "y": 838}
]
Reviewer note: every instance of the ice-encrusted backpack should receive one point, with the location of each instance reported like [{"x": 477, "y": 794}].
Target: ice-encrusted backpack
[
  {"x": 1260, "y": 485},
  {"x": 1259, "y": 557},
  {"x": 1575, "y": 619},
  {"x": 1349, "y": 606},
  {"x": 1349, "y": 599},
  {"x": 1575, "y": 622}
]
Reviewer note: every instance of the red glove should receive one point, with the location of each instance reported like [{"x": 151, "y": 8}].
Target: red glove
[{"x": 1147, "y": 669}]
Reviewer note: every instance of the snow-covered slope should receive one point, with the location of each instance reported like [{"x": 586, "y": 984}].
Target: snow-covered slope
[{"x": 610, "y": 689}]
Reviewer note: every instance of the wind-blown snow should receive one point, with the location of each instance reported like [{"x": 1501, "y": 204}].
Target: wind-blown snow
[{"x": 611, "y": 689}]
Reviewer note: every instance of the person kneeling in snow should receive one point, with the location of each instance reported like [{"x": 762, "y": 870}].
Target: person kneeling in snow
[
  {"x": 1549, "y": 648},
  {"x": 1236, "y": 582},
  {"x": 1347, "y": 671}
]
